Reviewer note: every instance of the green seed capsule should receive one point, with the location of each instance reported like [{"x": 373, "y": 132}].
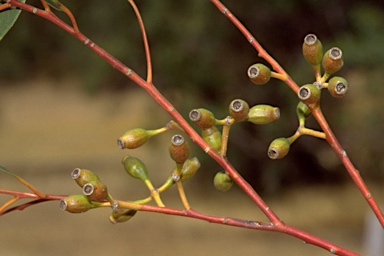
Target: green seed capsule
[
  {"x": 312, "y": 49},
  {"x": 135, "y": 167},
  {"x": 136, "y": 137},
  {"x": 83, "y": 176},
  {"x": 213, "y": 137},
  {"x": 76, "y": 204},
  {"x": 239, "y": 109},
  {"x": 309, "y": 93},
  {"x": 179, "y": 149},
  {"x": 333, "y": 60},
  {"x": 337, "y": 86},
  {"x": 259, "y": 73},
  {"x": 278, "y": 148},
  {"x": 263, "y": 114},
  {"x": 303, "y": 110},
  {"x": 202, "y": 118},
  {"x": 222, "y": 181},
  {"x": 95, "y": 191},
  {"x": 121, "y": 215},
  {"x": 189, "y": 168}
]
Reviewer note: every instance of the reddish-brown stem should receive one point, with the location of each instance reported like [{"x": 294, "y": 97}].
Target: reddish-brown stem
[{"x": 353, "y": 172}]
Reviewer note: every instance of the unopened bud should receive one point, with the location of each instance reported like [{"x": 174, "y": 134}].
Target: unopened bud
[
  {"x": 312, "y": 49},
  {"x": 95, "y": 191},
  {"x": 83, "y": 176},
  {"x": 135, "y": 167},
  {"x": 303, "y": 110},
  {"x": 202, "y": 118},
  {"x": 213, "y": 137},
  {"x": 263, "y": 114},
  {"x": 76, "y": 204},
  {"x": 189, "y": 168},
  {"x": 222, "y": 181},
  {"x": 259, "y": 73},
  {"x": 121, "y": 215},
  {"x": 309, "y": 93},
  {"x": 239, "y": 109},
  {"x": 278, "y": 148},
  {"x": 333, "y": 60},
  {"x": 337, "y": 86}
]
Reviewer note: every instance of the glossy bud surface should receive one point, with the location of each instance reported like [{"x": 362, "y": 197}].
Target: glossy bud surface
[
  {"x": 135, "y": 167},
  {"x": 263, "y": 114}
]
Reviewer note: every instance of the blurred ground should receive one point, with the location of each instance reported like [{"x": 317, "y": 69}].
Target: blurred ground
[{"x": 47, "y": 131}]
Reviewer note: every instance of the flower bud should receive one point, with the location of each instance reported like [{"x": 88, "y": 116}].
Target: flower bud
[
  {"x": 189, "y": 168},
  {"x": 312, "y": 49},
  {"x": 179, "y": 149},
  {"x": 83, "y": 176},
  {"x": 303, "y": 110},
  {"x": 76, "y": 204},
  {"x": 259, "y": 73},
  {"x": 121, "y": 215},
  {"x": 239, "y": 109},
  {"x": 278, "y": 148},
  {"x": 337, "y": 86},
  {"x": 95, "y": 190},
  {"x": 222, "y": 181},
  {"x": 135, "y": 167},
  {"x": 309, "y": 93},
  {"x": 202, "y": 118},
  {"x": 333, "y": 60},
  {"x": 213, "y": 137},
  {"x": 263, "y": 114}
]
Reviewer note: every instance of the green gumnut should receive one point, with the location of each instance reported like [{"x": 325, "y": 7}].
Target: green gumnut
[
  {"x": 83, "y": 176},
  {"x": 302, "y": 110},
  {"x": 189, "y": 168},
  {"x": 333, "y": 60},
  {"x": 312, "y": 49},
  {"x": 338, "y": 86},
  {"x": 135, "y": 138},
  {"x": 239, "y": 109},
  {"x": 95, "y": 191},
  {"x": 278, "y": 148},
  {"x": 309, "y": 93},
  {"x": 213, "y": 137},
  {"x": 203, "y": 118},
  {"x": 76, "y": 204},
  {"x": 259, "y": 73},
  {"x": 135, "y": 167},
  {"x": 179, "y": 149},
  {"x": 121, "y": 215},
  {"x": 263, "y": 114},
  {"x": 222, "y": 181}
]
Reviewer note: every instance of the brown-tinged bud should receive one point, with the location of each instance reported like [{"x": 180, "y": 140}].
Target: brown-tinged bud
[
  {"x": 337, "y": 86},
  {"x": 135, "y": 167},
  {"x": 333, "y": 60},
  {"x": 179, "y": 149},
  {"x": 213, "y": 137},
  {"x": 202, "y": 118},
  {"x": 263, "y": 114},
  {"x": 312, "y": 49},
  {"x": 83, "y": 176},
  {"x": 189, "y": 168},
  {"x": 121, "y": 215},
  {"x": 309, "y": 93},
  {"x": 278, "y": 148},
  {"x": 95, "y": 190},
  {"x": 239, "y": 109},
  {"x": 222, "y": 181},
  {"x": 76, "y": 204},
  {"x": 134, "y": 138},
  {"x": 303, "y": 110},
  {"x": 259, "y": 73}
]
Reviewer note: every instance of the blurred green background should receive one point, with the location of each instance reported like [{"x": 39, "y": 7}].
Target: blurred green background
[{"x": 63, "y": 107}]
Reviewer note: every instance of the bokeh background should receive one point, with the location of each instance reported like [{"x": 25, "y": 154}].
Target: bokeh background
[{"x": 62, "y": 107}]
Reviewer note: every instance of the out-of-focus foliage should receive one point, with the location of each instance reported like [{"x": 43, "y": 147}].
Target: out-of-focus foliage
[{"x": 200, "y": 60}]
